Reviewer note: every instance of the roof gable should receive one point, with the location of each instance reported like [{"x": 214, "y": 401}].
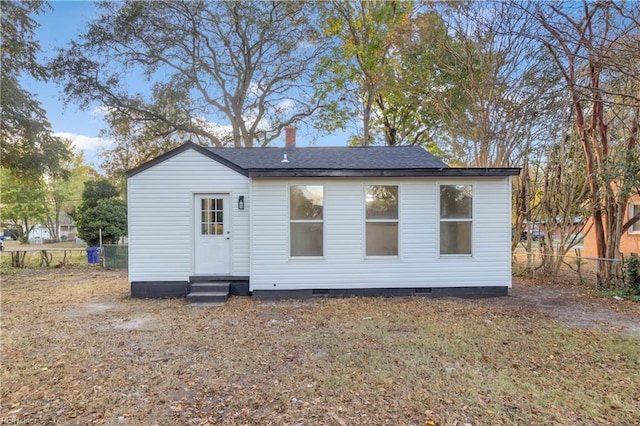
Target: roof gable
[{"x": 182, "y": 148}]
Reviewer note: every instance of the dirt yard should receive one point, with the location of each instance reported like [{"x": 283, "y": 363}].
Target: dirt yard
[{"x": 77, "y": 350}]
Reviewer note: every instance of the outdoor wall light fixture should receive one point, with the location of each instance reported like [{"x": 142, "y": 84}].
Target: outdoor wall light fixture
[{"x": 241, "y": 202}]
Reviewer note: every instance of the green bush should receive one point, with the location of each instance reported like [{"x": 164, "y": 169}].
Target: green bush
[
  {"x": 632, "y": 275},
  {"x": 100, "y": 210}
]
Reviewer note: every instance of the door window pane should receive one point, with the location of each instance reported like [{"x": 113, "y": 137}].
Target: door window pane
[{"x": 211, "y": 216}]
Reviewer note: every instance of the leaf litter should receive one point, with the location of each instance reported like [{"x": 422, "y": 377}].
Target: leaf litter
[{"x": 77, "y": 350}]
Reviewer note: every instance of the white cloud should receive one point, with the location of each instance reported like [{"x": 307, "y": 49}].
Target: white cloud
[
  {"x": 99, "y": 112},
  {"x": 83, "y": 142}
]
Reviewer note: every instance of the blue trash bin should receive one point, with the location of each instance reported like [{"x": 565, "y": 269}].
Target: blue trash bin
[{"x": 93, "y": 255}]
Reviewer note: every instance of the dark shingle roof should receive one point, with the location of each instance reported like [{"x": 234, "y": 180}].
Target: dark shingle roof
[
  {"x": 371, "y": 161},
  {"x": 332, "y": 158}
]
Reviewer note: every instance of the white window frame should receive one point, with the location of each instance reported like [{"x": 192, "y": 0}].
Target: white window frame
[
  {"x": 396, "y": 221},
  {"x": 470, "y": 220},
  {"x": 291, "y": 221},
  {"x": 633, "y": 207}
]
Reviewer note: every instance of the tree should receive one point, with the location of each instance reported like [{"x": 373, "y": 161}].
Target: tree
[
  {"x": 564, "y": 201},
  {"x": 23, "y": 203},
  {"x": 62, "y": 192},
  {"x": 511, "y": 103},
  {"x": 133, "y": 144},
  {"x": 28, "y": 146},
  {"x": 101, "y": 210},
  {"x": 420, "y": 76},
  {"x": 248, "y": 64},
  {"x": 594, "y": 46},
  {"x": 364, "y": 30},
  {"x": 109, "y": 216}
]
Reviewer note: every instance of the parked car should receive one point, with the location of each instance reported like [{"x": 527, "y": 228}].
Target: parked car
[
  {"x": 10, "y": 233},
  {"x": 536, "y": 235}
]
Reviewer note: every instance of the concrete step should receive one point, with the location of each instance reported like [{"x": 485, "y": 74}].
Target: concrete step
[
  {"x": 209, "y": 297},
  {"x": 208, "y": 287}
]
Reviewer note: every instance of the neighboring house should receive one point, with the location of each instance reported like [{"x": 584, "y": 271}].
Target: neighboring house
[
  {"x": 298, "y": 222},
  {"x": 38, "y": 234},
  {"x": 629, "y": 241},
  {"x": 66, "y": 231}
]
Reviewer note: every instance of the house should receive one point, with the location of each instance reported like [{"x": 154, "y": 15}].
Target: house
[
  {"x": 629, "y": 240},
  {"x": 66, "y": 231},
  {"x": 299, "y": 222}
]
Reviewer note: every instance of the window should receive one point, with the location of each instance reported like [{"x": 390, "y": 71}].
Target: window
[
  {"x": 306, "y": 220},
  {"x": 634, "y": 209},
  {"x": 212, "y": 223},
  {"x": 455, "y": 219},
  {"x": 381, "y": 220}
]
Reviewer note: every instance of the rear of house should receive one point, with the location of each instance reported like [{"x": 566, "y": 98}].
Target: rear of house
[{"x": 299, "y": 222}]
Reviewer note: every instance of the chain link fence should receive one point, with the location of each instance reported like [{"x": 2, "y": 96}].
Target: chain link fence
[
  {"x": 116, "y": 256},
  {"x": 571, "y": 267}
]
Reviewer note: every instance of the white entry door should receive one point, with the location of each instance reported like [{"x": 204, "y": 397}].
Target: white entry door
[{"x": 212, "y": 234}]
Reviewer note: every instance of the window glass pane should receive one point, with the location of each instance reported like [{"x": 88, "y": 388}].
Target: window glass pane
[
  {"x": 382, "y": 239},
  {"x": 204, "y": 229},
  {"x": 203, "y": 204},
  {"x": 455, "y": 237},
  {"x": 219, "y": 229},
  {"x": 219, "y": 204},
  {"x": 205, "y": 217},
  {"x": 382, "y": 202},
  {"x": 306, "y": 239},
  {"x": 219, "y": 217},
  {"x": 306, "y": 201},
  {"x": 455, "y": 201},
  {"x": 635, "y": 209}
]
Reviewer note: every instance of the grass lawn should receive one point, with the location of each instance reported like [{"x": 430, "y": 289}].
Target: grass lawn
[{"x": 77, "y": 350}]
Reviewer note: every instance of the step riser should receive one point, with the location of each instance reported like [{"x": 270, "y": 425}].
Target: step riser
[
  {"x": 209, "y": 287},
  {"x": 210, "y": 292},
  {"x": 204, "y": 298}
]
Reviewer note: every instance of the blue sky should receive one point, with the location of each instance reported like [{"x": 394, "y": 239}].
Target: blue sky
[{"x": 57, "y": 28}]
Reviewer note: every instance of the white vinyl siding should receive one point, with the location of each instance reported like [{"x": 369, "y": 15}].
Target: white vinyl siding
[
  {"x": 161, "y": 224},
  {"x": 345, "y": 264}
]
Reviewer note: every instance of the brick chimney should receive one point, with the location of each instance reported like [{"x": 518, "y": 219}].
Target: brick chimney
[{"x": 290, "y": 137}]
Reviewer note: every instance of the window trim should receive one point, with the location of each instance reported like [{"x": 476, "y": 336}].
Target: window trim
[
  {"x": 365, "y": 220},
  {"x": 322, "y": 221},
  {"x": 632, "y": 210},
  {"x": 439, "y": 220}
]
